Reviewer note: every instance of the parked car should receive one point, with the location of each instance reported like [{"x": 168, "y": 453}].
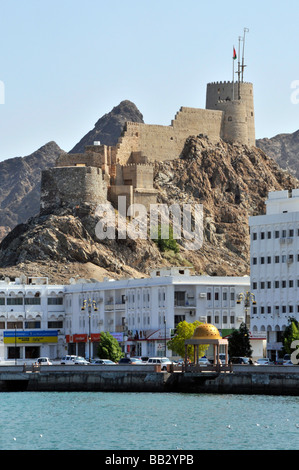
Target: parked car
[
  {"x": 263, "y": 361},
  {"x": 129, "y": 360},
  {"x": 286, "y": 358},
  {"x": 288, "y": 363},
  {"x": 81, "y": 361},
  {"x": 69, "y": 359},
  {"x": 103, "y": 362},
  {"x": 164, "y": 361},
  {"x": 44, "y": 361},
  {"x": 240, "y": 360},
  {"x": 203, "y": 361},
  {"x": 143, "y": 359}
]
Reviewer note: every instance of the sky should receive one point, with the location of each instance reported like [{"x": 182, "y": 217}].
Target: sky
[{"x": 66, "y": 63}]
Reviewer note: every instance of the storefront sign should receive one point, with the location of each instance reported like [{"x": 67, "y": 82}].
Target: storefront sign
[{"x": 21, "y": 337}]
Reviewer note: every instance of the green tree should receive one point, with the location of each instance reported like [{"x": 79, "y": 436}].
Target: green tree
[
  {"x": 185, "y": 331},
  {"x": 239, "y": 342},
  {"x": 109, "y": 348},
  {"x": 166, "y": 244},
  {"x": 291, "y": 334}
]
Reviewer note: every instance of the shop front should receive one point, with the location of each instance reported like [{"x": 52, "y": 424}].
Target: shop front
[{"x": 31, "y": 344}]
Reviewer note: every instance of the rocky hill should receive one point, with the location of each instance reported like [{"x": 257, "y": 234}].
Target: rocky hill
[
  {"x": 284, "y": 148},
  {"x": 231, "y": 181},
  {"x": 20, "y": 185},
  {"x": 108, "y": 128}
]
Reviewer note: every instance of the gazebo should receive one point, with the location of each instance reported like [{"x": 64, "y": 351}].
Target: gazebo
[{"x": 207, "y": 334}]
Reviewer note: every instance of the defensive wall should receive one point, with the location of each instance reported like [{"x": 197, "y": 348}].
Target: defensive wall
[{"x": 103, "y": 172}]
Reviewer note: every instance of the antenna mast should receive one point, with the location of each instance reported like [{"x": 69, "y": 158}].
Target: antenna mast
[
  {"x": 239, "y": 68},
  {"x": 246, "y": 30}
]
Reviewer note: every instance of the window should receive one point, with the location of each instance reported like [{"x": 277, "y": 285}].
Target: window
[
  {"x": 262, "y": 309},
  {"x": 2, "y": 301},
  {"x": 291, "y": 308},
  {"x": 291, "y": 283},
  {"x": 216, "y": 295},
  {"x": 268, "y": 284},
  {"x": 32, "y": 301},
  {"x": 269, "y": 235},
  {"x": 262, "y": 235},
  {"x": 291, "y": 233},
  {"x": 276, "y": 233},
  {"x": 276, "y": 284},
  {"x": 254, "y": 285},
  {"x": 209, "y": 296},
  {"x": 283, "y": 284},
  {"x": 284, "y": 234},
  {"x": 254, "y": 260},
  {"x": 283, "y": 258},
  {"x": 283, "y": 309},
  {"x": 254, "y": 236},
  {"x": 268, "y": 309},
  {"x": 276, "y": 259},
  {"x": 55, "y": 324},
  {"x": 55, "y": 300},
  {"x": 224, "y": 295},
  {"x": 262, "y": 260},
  {"x": 269, "y": 259},
  {"x": 232, "y": 296},
  {"x": 14, "y": 301},
  {"x": 232, "y": 319},
  {"x": 2, "y": 325},
  {"x": 224, "y": 319},
  {"x": 32, "y": 324},
  {"x": 262, "y": 285},
  {"x": 11, "y": 325}
]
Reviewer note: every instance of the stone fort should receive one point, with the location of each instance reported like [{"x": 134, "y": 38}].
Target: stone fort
[{"x": 104, "y": 172}]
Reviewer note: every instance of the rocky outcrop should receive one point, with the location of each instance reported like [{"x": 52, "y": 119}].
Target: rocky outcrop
[
  {"x": 231, "y": 181},
  {"x": 284, "y": 149},
  {"x": 20, "y": 185},
  {"x": 109, "y": 127}
]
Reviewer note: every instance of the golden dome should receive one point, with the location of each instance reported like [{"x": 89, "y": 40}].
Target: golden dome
[{"x": 206, "y": 331}]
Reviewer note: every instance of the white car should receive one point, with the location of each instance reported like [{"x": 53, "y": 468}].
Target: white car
[
  {"x": 264, "y": 361},
  {"x": 164, "y": 361},
  {"x": 68, "y": 359},
  {"x": 44, "y": 361}
]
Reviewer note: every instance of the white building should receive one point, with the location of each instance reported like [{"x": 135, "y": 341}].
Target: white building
[
  {"x": 274, "y": 267},
  {"x": 31, "y": 319},
  {"x": 141, "y": 313}
]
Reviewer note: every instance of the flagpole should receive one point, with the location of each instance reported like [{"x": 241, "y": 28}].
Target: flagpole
[{"x": 233, "y": 73}]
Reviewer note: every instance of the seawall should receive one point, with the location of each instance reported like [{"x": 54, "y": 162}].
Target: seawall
[{"x": 266, "y": 380}]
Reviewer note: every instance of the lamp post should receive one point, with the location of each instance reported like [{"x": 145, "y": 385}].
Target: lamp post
[
  {"x": 15, "y": 325},
  {"x": 90, "y": 304},
  {"x": 248, "y": 298},
  {"x": 165, "y": 336}
]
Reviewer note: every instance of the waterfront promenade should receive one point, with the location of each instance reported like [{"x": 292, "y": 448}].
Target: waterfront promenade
[{"x": 236, "y": 379}]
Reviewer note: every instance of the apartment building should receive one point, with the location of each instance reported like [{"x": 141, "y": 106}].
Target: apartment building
[
  {"x": 142, "y": 314},
  {"x": 31, "y": 319},
  {"x": 274, "y": 270}
]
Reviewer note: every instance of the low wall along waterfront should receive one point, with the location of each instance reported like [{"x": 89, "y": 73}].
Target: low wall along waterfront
[{"x": 267, "y": 380}]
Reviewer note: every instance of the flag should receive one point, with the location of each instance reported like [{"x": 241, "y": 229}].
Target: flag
[{"x": 234, "y": 54}]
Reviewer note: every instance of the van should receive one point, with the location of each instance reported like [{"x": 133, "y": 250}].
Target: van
[
  {"x": 164, "y": 361},
  {"x": 68, "y": 359}
]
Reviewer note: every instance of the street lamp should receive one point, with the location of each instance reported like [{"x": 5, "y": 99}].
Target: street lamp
[
  {"x": 248, "y": 298},
  {"x": 90, "y": 304}
]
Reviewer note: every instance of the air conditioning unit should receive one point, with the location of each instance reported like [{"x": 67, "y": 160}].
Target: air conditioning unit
[
  {"x": 202, "y": 295},
  {"x": 203, "y": 319}
]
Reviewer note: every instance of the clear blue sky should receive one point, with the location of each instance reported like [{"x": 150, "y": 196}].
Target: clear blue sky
[{"x": 65, "y": 63}]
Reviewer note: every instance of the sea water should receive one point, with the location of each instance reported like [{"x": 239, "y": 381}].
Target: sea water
[{"x": 147, "y": 421}]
